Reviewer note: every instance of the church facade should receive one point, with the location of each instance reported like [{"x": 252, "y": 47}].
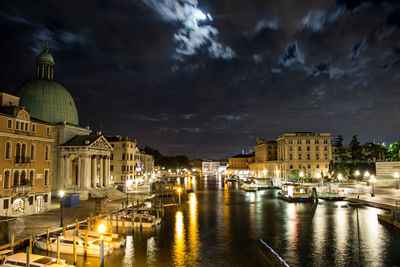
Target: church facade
[{"x": 81, "y": 160}]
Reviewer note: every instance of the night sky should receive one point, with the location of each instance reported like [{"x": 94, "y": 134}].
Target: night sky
[{"x": 206, "y": 78}]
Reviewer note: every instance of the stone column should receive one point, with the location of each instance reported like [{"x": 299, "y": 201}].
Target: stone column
[
  {"x": 79, "y": 172},
  {"x": 107, "y": 171},
  {"x": 61, "y": 173},
  {"x": 87, "y": 173},
  {"x": 67, "y": 177},
  {"x": 101, "y": 171},
  {"x": 94, "y": 172}
]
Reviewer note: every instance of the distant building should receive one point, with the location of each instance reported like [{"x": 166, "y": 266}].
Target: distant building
[
  {"x": 304, "y": 151},
  {"x": 265, "y": 163},
  {"x": 240, "y": 165},
  {"x": 25, "y": 160},
  {"x": 122, "y": 167},
  {"x": 210, "y": 167}
]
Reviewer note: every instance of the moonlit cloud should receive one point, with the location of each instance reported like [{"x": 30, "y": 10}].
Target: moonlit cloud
[
  {"x": 292, "y": 55},
  {"x": 195, "y": 32},
  {"x": 314, "y": 20},
  {"x": 266, "y": 24}
]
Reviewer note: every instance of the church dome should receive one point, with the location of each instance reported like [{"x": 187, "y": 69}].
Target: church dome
[
  {"x": 46, "y": 99},
  {"x": 45, "y": 57}
]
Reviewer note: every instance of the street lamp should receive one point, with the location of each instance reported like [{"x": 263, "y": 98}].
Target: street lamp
[
  {"x": 101, "y": 228},
  {"x": 372, "y": 180},
  {"x": 318, "y": 176},
  {"x": 179, "y": 194},
  {"x": 61, "y": 194},
  {"x": 301, "y": 176},
  {"x": 277, "y": 173},
  {"x": 357, "y": 173},
  {"x": 340, "y": 177},
  {"x": 265, "y": 173},
  {"x": 396, "y": 176}
]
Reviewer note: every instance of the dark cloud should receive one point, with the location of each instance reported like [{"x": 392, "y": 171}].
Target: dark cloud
[{"x": 206, "y": 78}]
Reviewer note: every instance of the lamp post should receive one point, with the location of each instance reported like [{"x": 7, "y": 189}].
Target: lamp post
[
  {"x": 265, "y": 173},
  {"x": 301, "y": 176},
  {"x": 179, "y": 194},
  {"x": 366, "y": 174},
  {"x": 61, "y": 194},
  {"x": 318, "y": 176},
  {"x": 277, "y": 173},
  {"x": 357, "y": 174},
  {"x": 101, "y": 229},
  {"x": 396, "y": 176},
  {"x": 372, "y": 180}
]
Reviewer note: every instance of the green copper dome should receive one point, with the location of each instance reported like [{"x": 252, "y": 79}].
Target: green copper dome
[{"x": 48, "y": 101}]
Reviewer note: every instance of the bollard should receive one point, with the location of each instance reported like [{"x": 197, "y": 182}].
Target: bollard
[
  {"x": 30, "y": 244},
  {"x": 74, "y": 248},
  {"x": 27, "y": 256},
  {"x": 101, "y": 253},
  {"x": 12, "y": 243},
  {"x": 123, "y": 226},
  {"x": 58, "y": 248},
  {"x": 86, "y": 241},
  {"x": 132, "y": 224},
  {"x": 47, "y": 239},
  {"x": 116, "y": 219}
]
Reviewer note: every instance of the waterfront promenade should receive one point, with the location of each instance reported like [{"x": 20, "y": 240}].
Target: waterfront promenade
[{"x": 22, "y": 227}]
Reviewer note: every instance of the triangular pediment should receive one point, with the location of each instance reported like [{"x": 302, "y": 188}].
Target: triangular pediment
[{"x": 101, "y": 142}]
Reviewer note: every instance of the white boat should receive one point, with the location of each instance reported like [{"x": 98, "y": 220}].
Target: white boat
[
  {"x": 249, "y": 187},
  {"x": 19, "y": 259},
  {"x": 294, "y": 192},
  {"x": 148, "y": 221},
  {"x": 66, "y": 246},
  {"x": 109, "y": 238}
]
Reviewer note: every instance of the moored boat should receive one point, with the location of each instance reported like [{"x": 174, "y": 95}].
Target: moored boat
[
  {"x": 19, "y": 259},
  {"x": 296, "y": 193},
  {"x": 109, "y": 238},
  {"x": 66, "y": 246}
]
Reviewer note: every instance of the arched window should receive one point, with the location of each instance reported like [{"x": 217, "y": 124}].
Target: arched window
[
  {"x": 8, "y": 150},
  {"x": 123, "y": 156},
  {"x": 18, "y": 152},
  {"x": 16, "y": 178},
  {"x": 46, "y": 177},
  {"x": 131, "y": 156},
  {"x": 33, "y": 151},
  {"x": 23, "y": 180},
  {"x": 7, "y": 180},
  {"x": 31, "y": 178},
  {"x": 23, "y": 152},
  {"x": 47, "y": 152}
]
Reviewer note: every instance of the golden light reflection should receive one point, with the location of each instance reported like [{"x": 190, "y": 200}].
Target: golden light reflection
[
  {"x": 151, "y": 251},
  {"x": 179, "y": 240},
  {"x": 193, "y": 230}
]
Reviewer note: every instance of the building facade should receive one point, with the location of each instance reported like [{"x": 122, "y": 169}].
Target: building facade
[
  {"x": 80, "y": 159},
  {"x": 25, "y": 160},
  {"x": 306, "y": 152},
  {"x": 210, "y": 167},
  {"x": 123, "y": 159},
  {"x": 265, "y": 163},
  {"x": 240, "y": 165}
]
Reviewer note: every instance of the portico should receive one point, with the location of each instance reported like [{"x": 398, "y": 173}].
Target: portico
[{"x": 84, "y": 163}]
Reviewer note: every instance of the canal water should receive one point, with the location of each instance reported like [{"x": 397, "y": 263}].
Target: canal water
[{"x": 220, "y": 226}]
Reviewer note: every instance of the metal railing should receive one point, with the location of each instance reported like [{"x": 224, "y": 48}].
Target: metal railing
[{"x": 22, "y": 160}]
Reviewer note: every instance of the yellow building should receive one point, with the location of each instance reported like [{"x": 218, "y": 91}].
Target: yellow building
[
  {"x": 265, "y": 163},
  {"x": 25, "y": 157},
  {"x": 122, "y": 166},
  {"x": 307, "y": 152},
  {"x": 240, "y": 165}
]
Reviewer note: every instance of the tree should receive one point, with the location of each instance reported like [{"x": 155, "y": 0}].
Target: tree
[
  {"x": 341, "y": 153},
  {"x": 296, "y": 174},
  {"x": 392, "y": 154},
  {"x": 375, "y": 152},
  {"x": 356, "y": 150}
]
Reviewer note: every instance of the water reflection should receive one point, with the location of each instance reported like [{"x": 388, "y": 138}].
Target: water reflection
[
  {"x": 179, "y": 240},
  {"x": 193, "y": 230}
]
